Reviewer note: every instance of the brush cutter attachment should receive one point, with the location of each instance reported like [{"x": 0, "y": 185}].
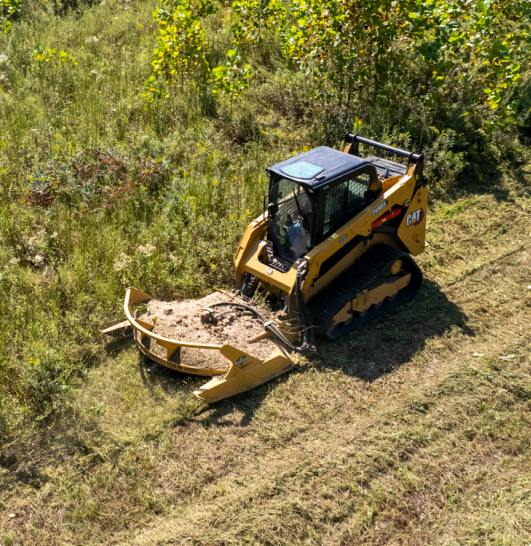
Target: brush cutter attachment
[{"x": 210, "y": 317}]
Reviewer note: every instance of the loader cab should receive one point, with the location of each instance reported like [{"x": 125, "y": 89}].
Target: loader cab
[{"x": 312, "y": 195}]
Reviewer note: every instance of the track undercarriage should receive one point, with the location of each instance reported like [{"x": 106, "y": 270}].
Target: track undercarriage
[{"x": 383, "y": 279}]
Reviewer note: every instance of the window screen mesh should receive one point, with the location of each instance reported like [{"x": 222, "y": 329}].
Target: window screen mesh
[
  {"x": 290, "y": 225},
  {"x": 345, "y": 201},
  {"x": 287, "y": 203}
]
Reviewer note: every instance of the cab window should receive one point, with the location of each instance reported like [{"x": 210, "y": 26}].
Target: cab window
[
  {"x": 290, "y": 223},
  {"x": 344, "y": 201}
]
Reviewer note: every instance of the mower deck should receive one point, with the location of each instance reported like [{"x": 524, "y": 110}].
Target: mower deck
[{"x": 239, "y": 371}]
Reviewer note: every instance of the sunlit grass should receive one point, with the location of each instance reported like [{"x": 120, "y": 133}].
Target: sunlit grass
[{"x": 100, "y": 192}]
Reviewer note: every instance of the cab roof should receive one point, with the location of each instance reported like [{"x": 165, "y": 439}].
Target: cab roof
[{"x": 319, "y": 166}]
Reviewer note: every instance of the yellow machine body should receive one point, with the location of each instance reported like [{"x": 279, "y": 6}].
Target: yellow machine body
[{"x": 410, "y": 237}]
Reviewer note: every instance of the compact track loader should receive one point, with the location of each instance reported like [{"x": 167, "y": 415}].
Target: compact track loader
[{"x": 333, "y": 248}]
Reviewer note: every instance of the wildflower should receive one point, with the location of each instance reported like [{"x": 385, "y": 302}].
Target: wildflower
[
  {"x": 122, "y": 262},
  {"x": 216, "y": 182},
  {"x": 146, "y": 250},
  {"x": 14, "y": 261},
  {"x": 54, "y": 235},
  {"x": 38, "y": 258}
]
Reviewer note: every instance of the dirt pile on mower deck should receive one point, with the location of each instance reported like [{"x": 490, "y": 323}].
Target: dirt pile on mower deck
[
  {"x": 230, "y": 342},
  {"x": 181, "y": 320}
]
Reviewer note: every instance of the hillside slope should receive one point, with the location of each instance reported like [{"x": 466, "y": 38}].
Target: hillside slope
[{"x": 414, "y": 430}]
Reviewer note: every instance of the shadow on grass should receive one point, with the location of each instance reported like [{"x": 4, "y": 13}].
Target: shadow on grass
[
  {"x": 170, "y": 381},
  {"x": 152, "y": 374},
  {"x": 155, "y": 377},
  {"x": 522, "y": 175},
  {"x": 122, "y": 341},
  {"x": 492, "y": 180},
  {"x": 375, "y": 349},
  {"x": 395, "y": 338}
]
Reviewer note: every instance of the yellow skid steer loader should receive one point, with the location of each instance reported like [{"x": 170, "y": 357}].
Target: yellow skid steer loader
[{"x": 333, "y": 248}]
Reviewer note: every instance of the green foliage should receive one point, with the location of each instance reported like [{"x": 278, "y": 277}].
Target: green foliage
[
  {"x": 232, "y": 79},
  {"x": 447, "y": 51},
  {"x": 9, "y": 10},
  {"x": 444, "y": 165},
  {"x": 466, "y": 50},
  {"x": 343, "y": 44},
  {"x": 474, "y": 50},
  {"x": 182, "y": 49},
  {"x": 41, "y": 55},
  {"x": 182, "y": 53},
  {"x": 257, "y": 18},
  {"x": 152, "y": 91}
]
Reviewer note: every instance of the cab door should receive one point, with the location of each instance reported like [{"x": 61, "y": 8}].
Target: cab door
[{"x": 341, "y": 200}]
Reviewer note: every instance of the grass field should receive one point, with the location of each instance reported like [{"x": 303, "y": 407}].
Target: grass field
[{"x": 414, "y": 430}]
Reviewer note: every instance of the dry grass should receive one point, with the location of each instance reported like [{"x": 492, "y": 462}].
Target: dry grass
[{"x": 412, "y": 431}]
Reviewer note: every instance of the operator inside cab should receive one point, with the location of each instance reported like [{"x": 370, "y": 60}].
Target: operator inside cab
[
  {"x": 299, "y": 239},
  {"x": 290, "y": 220}
]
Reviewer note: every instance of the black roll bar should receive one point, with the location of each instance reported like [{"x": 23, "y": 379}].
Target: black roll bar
[
  {"x": 354, "y": 148},
  {"x": 416, "y": 159}
]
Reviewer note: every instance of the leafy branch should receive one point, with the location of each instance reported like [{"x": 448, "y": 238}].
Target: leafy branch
[{"x": 9, "y": 10}]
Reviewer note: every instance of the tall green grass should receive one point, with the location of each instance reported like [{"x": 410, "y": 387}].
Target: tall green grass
[{"x": 99, "y": 193}]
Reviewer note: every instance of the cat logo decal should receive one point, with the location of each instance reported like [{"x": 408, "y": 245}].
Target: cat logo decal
[{"x": 415, "y": 218}]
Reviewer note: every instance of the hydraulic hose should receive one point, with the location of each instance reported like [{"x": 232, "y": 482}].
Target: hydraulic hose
[{"x": 308, "y": 333}]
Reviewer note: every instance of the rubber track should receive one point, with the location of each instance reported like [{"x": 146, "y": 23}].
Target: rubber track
[{"x": 350, "y": 284}]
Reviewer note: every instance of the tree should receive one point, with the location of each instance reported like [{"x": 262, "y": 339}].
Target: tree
[{"x": 470, "y": 50}]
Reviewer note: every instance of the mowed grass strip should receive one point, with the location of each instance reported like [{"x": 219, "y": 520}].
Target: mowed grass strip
[{"x": 414, "y": 430}]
